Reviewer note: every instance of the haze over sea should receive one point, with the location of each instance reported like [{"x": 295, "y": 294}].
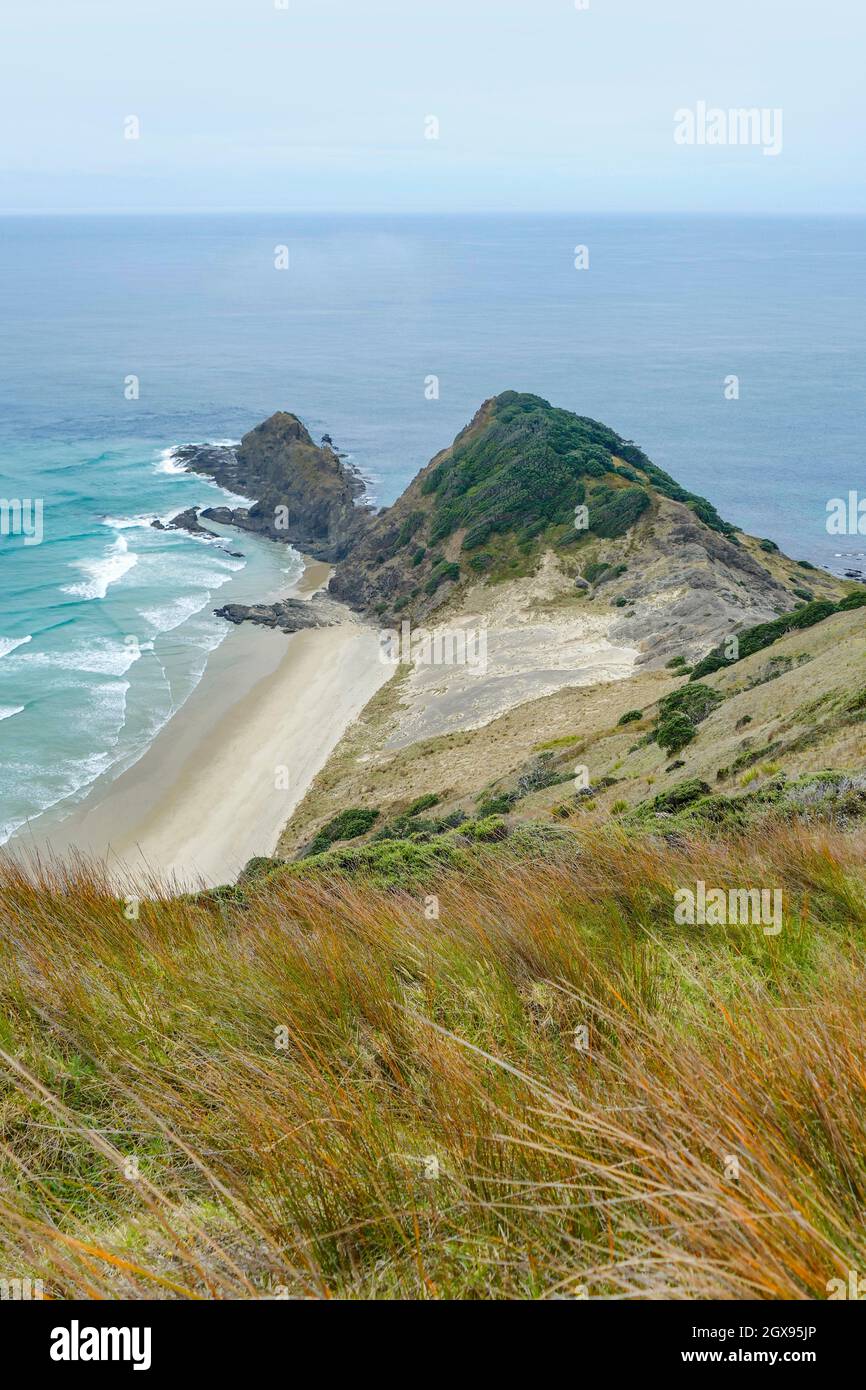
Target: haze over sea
[{"x": 105, "y": 627}]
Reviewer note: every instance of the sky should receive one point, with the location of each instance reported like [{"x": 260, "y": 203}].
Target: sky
[{"x": 329, "y": 105}]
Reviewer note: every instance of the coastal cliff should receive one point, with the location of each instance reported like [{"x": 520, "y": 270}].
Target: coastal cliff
[{"x": 305, "y": 494}]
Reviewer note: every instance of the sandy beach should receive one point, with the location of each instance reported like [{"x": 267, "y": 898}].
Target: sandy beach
[{"x": 220, "y": 780}]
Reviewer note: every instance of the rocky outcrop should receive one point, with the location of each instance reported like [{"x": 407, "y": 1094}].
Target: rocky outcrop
[
  {"x": 685, "y": 587},
  {"x": 305, "y": 495},
  {"x": 289, "y": 615},
  {"x": 184, "y": 521},
  {"x": 189, "y": 521}
]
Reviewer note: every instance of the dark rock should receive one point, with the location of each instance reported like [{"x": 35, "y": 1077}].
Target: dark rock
[
  {"x": 306, "y": 496},
  {"x": 289, "y": 615},
  {"x": 185, "y": 521}
]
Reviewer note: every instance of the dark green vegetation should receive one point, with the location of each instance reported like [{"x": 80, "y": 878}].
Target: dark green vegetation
[
  {"x": 346, "y": 826},
  {"x": 534, "y": 461},
  {"x": 754, "y": 639},
  {"x": 630, "y": 717},
  {"x": 822, "y": 798},
  {"x": 526, "y": 479},
  {"x": 680, "y": 713},
  {"x": 407, "y": 852}
]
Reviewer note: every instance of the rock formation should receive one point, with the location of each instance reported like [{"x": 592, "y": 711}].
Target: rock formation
[
  {"x": 289, "y": 615},
  {"x": 305, "y": 495}
]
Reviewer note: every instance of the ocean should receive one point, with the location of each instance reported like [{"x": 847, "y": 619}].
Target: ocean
[{"x": 125, "y": 337}]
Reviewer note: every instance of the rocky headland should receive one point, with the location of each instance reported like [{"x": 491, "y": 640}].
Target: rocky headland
[
  {"x": 580, "y": 560},
  {"x": 306, "y": 495}
]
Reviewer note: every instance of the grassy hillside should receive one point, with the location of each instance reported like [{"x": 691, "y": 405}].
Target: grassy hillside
[
  {"x": 452, "y": 1042},
  {"x": 537, "y": 1086},
  {"x": 787, "y": 711}
]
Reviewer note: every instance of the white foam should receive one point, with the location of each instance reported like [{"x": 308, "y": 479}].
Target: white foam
[
  {"x": 8, "y": 711},
  {"x": 167, "y": 618},
  {"x": 126, "y": 523},
  {"x": 237, "y": 499},
  {"x": 8, "y": 644},
  {"x": 101, "y": 657},
  {"x": 102, "y": 573},
  {"x": 167, "y": 462}
]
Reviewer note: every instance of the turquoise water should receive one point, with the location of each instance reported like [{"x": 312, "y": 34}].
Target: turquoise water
[{"x": 106, "y": 625}]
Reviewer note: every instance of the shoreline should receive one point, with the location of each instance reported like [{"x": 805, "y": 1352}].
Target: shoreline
[{"x": 223, "y": 776}]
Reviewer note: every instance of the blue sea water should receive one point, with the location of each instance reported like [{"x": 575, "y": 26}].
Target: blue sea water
[{"x": 106, "y": 625}]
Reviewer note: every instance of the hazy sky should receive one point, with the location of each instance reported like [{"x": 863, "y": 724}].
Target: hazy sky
[{"x": 321, "y": 105}]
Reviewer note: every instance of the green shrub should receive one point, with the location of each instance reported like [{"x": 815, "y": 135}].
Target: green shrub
[
  {"x": 259, "y": 867},
  {"x": 477, "y": 535},
  {"x": 402, "y": 864},
  {"x": 681, "y": 795},
  {"x": 540, "y": 773},
  {"x": 674, "y": 732},
  {"x": 495, "y": 805},
  {"x": 630, "y": 716},
  {"x": 614, "y": 510},
  {"x": 526, "y": 467},
  {"x": 417, "y": 829},
  {"x": 345, "y": 826},
  {"x": 442, "y": 572},
  {"x": 409, "y": 527},
  {"x": 485, "y": 830},
  {"x": 681, "y": 712},
  {"x": 755, "y": 639}
]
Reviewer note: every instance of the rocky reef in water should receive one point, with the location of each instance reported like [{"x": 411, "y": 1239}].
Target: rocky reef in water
[{"x": 306, "y": 495}]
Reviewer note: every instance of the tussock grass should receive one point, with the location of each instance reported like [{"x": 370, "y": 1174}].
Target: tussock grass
[{"x": 424, "y": 1124}]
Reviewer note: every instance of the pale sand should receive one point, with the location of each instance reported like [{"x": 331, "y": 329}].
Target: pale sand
[
  {"x": 537, "y": 639},
  {"x": 220, "y": 780}
]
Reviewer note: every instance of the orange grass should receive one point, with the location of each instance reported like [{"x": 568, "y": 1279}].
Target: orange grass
[{"x": 322, "y": 1093}]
